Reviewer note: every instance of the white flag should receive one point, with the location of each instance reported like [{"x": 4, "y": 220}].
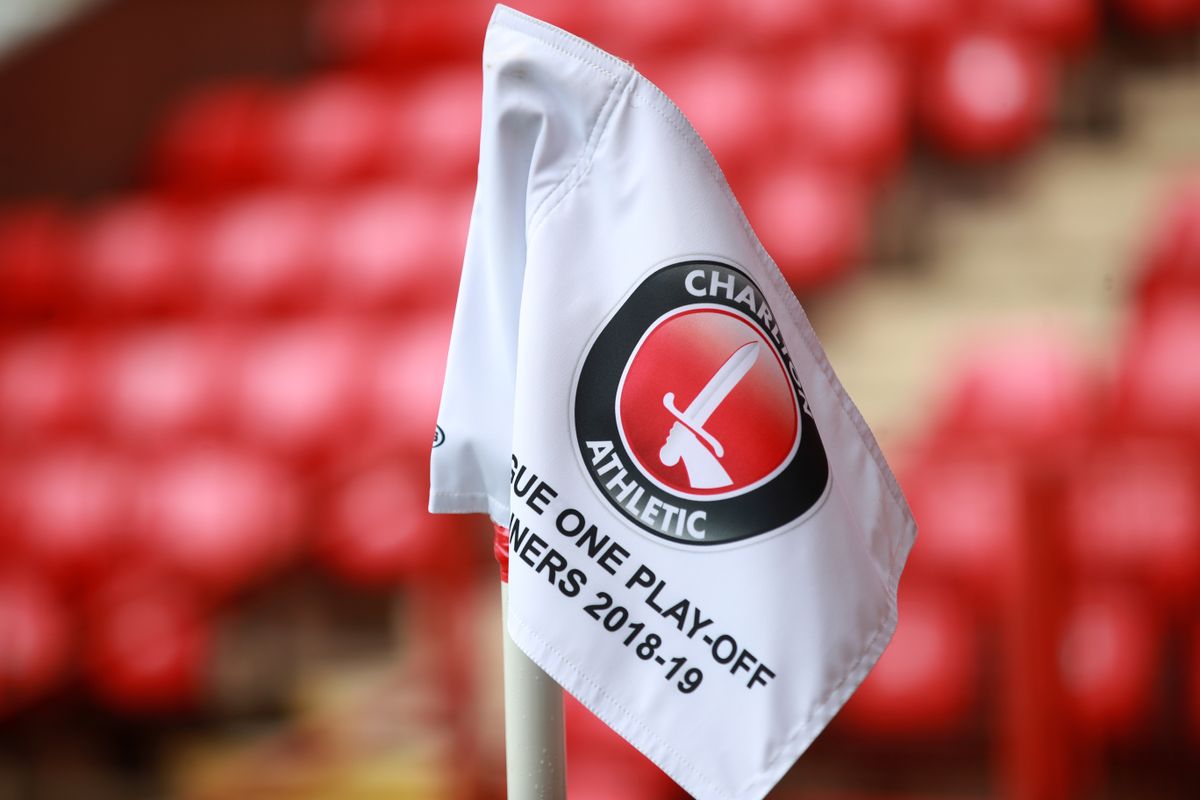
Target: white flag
[{"x": 705, "y": 538}]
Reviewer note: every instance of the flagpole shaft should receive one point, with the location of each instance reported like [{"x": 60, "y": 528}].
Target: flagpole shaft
[
  {"x": 535, "y": 753},
  {"x": 535, "y": 750}
]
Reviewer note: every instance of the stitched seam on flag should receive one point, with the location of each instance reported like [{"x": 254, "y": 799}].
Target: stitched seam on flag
[
  {"x": 569, "y": 181},
  {"x": 472, "y": 495},
  {"x": 900, "y": 551},
  {"x": 621, "y": 81},
  {"x": 579, "y": 674},
  {"x": 496, "y": 509},
  {"x": 515, "y": 16},
  {"x": 882, "y": 571},
  {"x": 531, "y": 633},
  {"x": 458, "y": 496},
  {"x": 582, "y": 165},
  {"x": 835, "y": 698}
]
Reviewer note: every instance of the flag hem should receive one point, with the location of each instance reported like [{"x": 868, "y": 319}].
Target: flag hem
[
  {"x": 588, "y": 691},
  {"x": 469, "y": 503}
]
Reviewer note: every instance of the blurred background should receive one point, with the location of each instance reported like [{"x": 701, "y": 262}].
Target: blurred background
[{"x": 230, "y": 234}]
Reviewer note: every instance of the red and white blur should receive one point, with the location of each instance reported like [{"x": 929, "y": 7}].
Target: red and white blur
[{"x": 230, "y": 239}]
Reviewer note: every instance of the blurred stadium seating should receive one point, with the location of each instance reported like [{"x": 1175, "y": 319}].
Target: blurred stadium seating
[{"x": 218, "y": 385}]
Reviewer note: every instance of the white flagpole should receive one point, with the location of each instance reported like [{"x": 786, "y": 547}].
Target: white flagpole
[{"x": 534, "y": 745}]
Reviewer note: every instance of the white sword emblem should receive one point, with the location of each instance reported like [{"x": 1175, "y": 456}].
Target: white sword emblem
[{"x": 688, "y": 440}]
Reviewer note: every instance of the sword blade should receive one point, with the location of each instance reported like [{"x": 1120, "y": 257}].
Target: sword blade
[{"x": 721, "y": 384}]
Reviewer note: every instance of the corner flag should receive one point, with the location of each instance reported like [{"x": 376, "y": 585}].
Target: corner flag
[{"x": 705, "y": 541}]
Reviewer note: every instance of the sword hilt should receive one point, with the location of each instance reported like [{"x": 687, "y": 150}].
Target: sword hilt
[
  {"x": 704, "y": 471},
  {"x": 700, "y": 433}
]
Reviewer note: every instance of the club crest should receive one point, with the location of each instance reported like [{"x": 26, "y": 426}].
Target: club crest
[{"x": 689, "y": 414}]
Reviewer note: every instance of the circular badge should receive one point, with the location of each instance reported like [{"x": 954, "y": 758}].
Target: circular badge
[{"x": 689, "y": 414}]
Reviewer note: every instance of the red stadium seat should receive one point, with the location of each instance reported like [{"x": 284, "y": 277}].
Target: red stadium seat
[
  {"x": 391, "y": 36},
  {"x": 393, "y": 247},
  {"x": 1170, "y": 264},
  {"x": 217, "y": 139},
  {"x": 915, "y": 27},
  {"x": 69, "y": 506},
  {"x": 376, "y": 531},
  {"x": 1193, "y": 673},
  {"x": 928, "y": 678},
  {"x": 331, "y": 131},
  {"x": 259, "y": 253},
  {"x": 296, "y": 387},
  {"x": 220, "y": 515},
  {"x": 147, "y": 647},
  {"x": 633, "y": 28},
  {"x": 1064, "y": 26},
  {"x": 435, "y": 130},
  {"x": 784, "y": 24},
  {"x": 987, "y": 96},
  {"x": 848, "y": 108},
  {"x": 589, "y": 779},
  {"x": 1025, "y": 391},
  {"x": 723, "y": 96},
  {"x": 1133, "y": 512},
  {"x": 970, "y": 506},
  {"x": 1159, "y": 384},
  {"x": 159, "y": 384},
  {"x": 602, "y": 765},
  {"x": 405, "y": 382},
  {"x": 1160, "y": 16},
  {"x": 35, "y": 250},
  {"x": 812, "y": 221},
  {"x": 45, "y": 388},
  {"x": 35, "y": 641},
  {"x": 1110, "y": 662},
  {"x": 136, "y": 255}
]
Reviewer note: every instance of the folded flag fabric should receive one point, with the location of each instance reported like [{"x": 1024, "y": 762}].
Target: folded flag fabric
[{"x": 705, "y": 539}]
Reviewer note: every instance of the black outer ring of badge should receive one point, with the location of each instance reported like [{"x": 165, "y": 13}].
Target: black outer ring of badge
[{"x": 787, "y": 496}]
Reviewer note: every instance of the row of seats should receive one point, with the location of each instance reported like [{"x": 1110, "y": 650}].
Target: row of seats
[
  {"x": 1035, "y": 461},
  {"x": 235, "y": 368},
  {"x": 302, "y": 388},
  {"x": 120, "y": 578},
  {"x": 386, "y": 35},
  {"x": 817, "y": 125},
  {"x": 383, "y": 247}
]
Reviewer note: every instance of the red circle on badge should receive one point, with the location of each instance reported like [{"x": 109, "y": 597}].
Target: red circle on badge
[{"x": 705, "y": 406}]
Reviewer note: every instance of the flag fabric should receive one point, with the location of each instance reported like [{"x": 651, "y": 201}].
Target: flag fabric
[{"x": 705, "y": 539}]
